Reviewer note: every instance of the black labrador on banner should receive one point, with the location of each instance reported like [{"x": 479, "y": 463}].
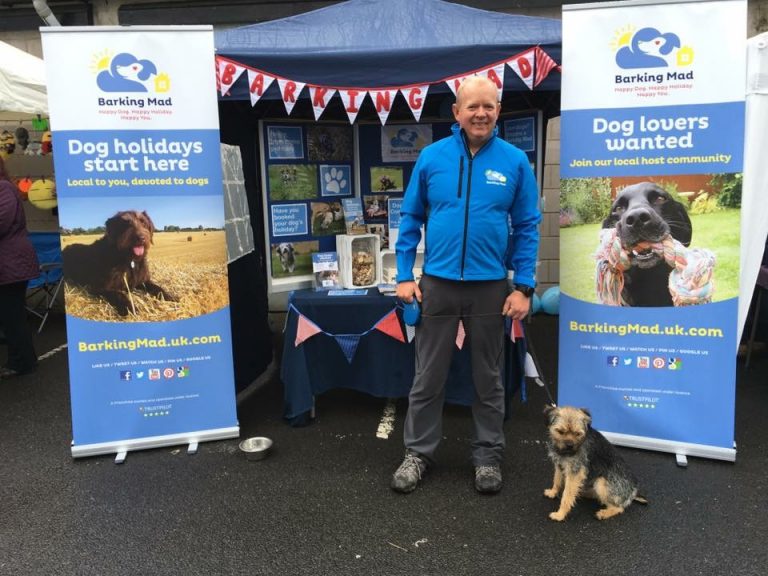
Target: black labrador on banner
[{"x": 643, "y": 213}]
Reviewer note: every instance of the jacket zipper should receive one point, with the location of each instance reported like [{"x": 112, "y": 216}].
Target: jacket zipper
[
  {"x": 470, "y": 159},
  {"x": 461, "y": 175}
]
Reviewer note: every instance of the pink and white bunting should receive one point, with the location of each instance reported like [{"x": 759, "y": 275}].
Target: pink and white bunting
[
  {"x": 229, "y": 72},
  {"x": 415, "y": 96},
  {"x": 455, "y": 82},
  {"x": 320, "y": 96},
  {"x": 352, "y": 99},
  {"x": 496, "y": 75},
  {"x": 382, "y": 101},
  {"x": 305, "y": 329},
  {"x": 544, "y": 65},
  {"x": 460, "y": 335},
  {"x": 258, "y": 82},
  {"x": 523, "y": 66},
  {"x": 290, "y": 91}
]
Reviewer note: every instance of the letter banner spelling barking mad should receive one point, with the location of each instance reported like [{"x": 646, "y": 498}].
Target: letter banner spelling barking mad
[
  {"x": 136, "y": 152},
  {"x": 651, "y": 161}
]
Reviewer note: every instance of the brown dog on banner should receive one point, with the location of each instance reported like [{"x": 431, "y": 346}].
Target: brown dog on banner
[{"x": 116, "y": 262}]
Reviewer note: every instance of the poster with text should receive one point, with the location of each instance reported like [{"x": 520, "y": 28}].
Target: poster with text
[
  {"x": 651, "y": 160},
  {"x": 136, "y": 146}
]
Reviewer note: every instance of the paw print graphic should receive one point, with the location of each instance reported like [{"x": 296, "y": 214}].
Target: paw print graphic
[{"x": 335, "y": 183}]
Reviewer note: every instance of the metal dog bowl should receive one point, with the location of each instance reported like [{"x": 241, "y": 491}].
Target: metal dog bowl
[{"x": 256, "y": 448}]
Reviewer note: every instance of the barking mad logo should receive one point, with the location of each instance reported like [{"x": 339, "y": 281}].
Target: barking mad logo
[
  {"x": 125, "y": 72},
  {"x": 649, "y": 48}
]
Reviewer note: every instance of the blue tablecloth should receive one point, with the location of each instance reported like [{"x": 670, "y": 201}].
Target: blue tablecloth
[{"x": 382, "y": 366}]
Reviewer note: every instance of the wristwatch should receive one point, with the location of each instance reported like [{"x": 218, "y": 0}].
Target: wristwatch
[{"x": 526, "y": 290}]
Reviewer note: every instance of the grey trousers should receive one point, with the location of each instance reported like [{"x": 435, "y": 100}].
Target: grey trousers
[{"x": 479, "y": 305}]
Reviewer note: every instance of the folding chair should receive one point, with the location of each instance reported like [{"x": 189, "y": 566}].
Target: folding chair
[{"x": 43, "y": 290}]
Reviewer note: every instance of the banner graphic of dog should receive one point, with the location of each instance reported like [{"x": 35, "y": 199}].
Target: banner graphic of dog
[
  {"x": 652, "y": 133},
  {"x": 141, "y": 215}
]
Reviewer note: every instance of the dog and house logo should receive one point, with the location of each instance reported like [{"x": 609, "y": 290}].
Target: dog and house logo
[
  {"x": 126, "y": 72},
  {"x": 651, "y": 49}
]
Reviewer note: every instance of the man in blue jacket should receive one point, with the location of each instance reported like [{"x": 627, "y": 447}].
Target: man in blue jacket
[{"x": 467, "y": 190}]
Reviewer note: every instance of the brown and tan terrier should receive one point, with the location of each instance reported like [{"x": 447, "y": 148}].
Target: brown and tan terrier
[{"x": 586, "y": 464}]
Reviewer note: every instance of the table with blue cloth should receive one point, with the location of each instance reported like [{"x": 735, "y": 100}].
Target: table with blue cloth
[{"x": 381, "y": 366}]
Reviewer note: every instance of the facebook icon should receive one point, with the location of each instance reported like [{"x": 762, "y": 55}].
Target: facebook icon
[{"x": 613, "y": 361}]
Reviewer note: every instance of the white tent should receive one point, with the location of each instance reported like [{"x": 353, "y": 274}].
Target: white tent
[
  {"x": 22, "y": 84},
  {"x": 754, "y": 201}
]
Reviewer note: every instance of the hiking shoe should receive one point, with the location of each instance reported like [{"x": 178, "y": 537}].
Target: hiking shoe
[
  {"x": 407, "y": 476},
  {"x": 488, "y": 479}
]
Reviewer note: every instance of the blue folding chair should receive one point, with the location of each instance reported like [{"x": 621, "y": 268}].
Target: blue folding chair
[{"x": 43, "y": 290}]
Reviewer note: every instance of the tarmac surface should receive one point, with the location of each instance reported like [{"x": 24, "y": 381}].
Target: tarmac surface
[{"x": 320, "y": 504}]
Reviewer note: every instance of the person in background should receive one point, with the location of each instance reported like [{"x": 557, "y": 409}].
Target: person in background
[
  {"x": 466, "y": 189},
  {"x": 18, "y": 265}
]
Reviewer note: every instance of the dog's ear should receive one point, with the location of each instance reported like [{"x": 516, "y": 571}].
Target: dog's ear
[
  {"x": 551, "y": 413},
  {"x": 151, "y": 226},
  {"x": 588, "y": 415},
  {"x": 114, "y": 226},
  {"x": 680, "y": 226}
]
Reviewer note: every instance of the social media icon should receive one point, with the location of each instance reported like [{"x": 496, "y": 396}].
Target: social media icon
[
  {"x": 154, "y": 374},
  {"x": 659, "y": 362},
  {"x": 643, "y": 362},
  {"x": 627, "y": 361},
  {"x": 125, "y": 375},
  {"x": 613, "y": 361}
]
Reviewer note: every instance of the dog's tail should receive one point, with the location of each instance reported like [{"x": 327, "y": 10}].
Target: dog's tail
[{"x": 640, "y": 499}]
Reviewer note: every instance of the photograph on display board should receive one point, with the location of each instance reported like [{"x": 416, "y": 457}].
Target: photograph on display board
[
  {"x": 651, "y": 241},
  {"x": 292, "y": 181},
  {"x": 375, "y": 207},
  {"x": 353, "y": 216},
  {"x": 335, "y": 180},
  {"x": 329, "y": 143},
  {"x": 402, "y": 143},
  {"x": 327, "y": 218},
  {"x": 143, "y": 259},
  {"x": 383, "y": 233},
  {"x": 292, "y": 258},
  {"x": 285, "y": 143},
  {"x": 386, "y": 179}
]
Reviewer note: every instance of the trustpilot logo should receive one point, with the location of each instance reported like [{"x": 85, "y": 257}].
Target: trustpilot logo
[
  {"x": 649, "y": 48},
  {"x": 125, "y": 72}
]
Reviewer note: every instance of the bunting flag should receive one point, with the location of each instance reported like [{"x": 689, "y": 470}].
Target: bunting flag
[
  {"x": 390, "y": 325},
  {"x": 460, "y": 335},
  {"x": 352, "y": 99},
  {"x": 530, "y": 367},
  {"x": 290, "y": 91},
  {"x": 348, "y": 344},
  {"x": 410, "y": 332},
  {"x": 229, "y": 72},
  {"x": 382, "y": 101},
  {"x": 496, "y": 75},
  {"x": 455, "y": 82},
  {"x": 544, "y": 65},
  {"x": 258, "y": 82},
  {"x": 415, "y": 96},
  {"x": 305, "y": 330},
  {"x": 516, "y": 331},
  {"x": 320, "y": 96},
  {"x": 522, "y": 65}
]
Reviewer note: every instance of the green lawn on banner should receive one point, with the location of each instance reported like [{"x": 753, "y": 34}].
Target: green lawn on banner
[{"x": 718, "y": 232}]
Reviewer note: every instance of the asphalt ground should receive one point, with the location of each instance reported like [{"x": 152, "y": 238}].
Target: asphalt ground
[{"x": 320, "y": 504}]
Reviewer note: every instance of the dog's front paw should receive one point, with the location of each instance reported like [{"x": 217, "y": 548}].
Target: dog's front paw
[
  {"x": 557, "y": 516},
  {"x": 550, "y": 493}
]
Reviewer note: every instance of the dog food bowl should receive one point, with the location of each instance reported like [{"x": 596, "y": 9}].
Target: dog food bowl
[{"x": 256, "y": 448}]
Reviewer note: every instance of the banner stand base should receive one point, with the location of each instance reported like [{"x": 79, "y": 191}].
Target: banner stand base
[
  {"x": 122, "y": 447},
  {"x": 681, "y": 449}
]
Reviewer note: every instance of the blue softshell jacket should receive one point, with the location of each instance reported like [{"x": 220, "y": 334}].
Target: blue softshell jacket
[{"x": 468, "y": 205}]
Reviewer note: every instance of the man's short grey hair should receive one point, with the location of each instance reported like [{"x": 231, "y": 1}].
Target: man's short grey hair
[{"x": 474, "y": 81}]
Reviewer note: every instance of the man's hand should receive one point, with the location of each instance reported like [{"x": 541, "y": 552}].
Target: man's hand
[
  {"x": 516, "y": 305},
  {"x": 407, "y": 290}
]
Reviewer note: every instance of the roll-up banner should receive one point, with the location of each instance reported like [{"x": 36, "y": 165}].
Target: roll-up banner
[
  {"x": 135, "y": 134},
  {"x": 651, "y": 163}
]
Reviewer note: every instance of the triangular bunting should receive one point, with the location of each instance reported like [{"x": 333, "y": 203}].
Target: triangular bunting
[
  {"x": 382, "y": 101},
  {"x": 410, "y": 332},
  {"x": 390, "y": 325},
  {"x": 522, "y": 64},
  {"x": 320, "y": 97},
  {"x": 496, "y": 75},
  {"x": 229, "y": 72},
  {"x": 290, "y": 91},
  {"x": 305, "y": 330},
  {"x": 455, "y": 82},
  {"x": 516, "y": 331},
  {"x": 544, "y": 65},
  {"x": 415, "y": 96},
  {"x": 460, "y": 335},
  {"x": 352, "y": 99},
  {"x": 530, "y": 367},
  {"x": 258, "y": 82},
  {"x": 348, "y": 344}
]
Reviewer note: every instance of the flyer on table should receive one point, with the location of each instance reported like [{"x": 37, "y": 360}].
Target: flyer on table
[
  {"x": 136, "y": 151},
  {"x": 651, "y": 158}
]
